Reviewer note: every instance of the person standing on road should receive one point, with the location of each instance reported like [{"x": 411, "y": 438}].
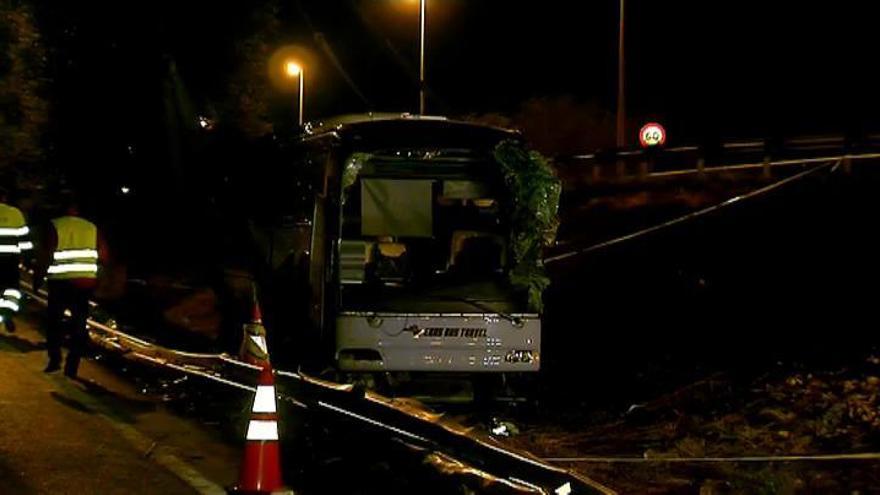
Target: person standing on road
[
  {"x": 75, "y": 247},
  {"x": 14, "y": 240}
]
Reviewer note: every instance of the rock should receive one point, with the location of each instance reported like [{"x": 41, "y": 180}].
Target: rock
[
  {"x": 802, "y": 444},
  {"x": 691, "y": 447},
  {"x": 794, "y": 381},
  {"x": 778, "y": 415},
  {"x": 713, "y": 487}
]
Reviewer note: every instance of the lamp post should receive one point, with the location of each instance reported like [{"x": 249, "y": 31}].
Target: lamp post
[
  {"x": 422, "y": 12},
  {"x": 621, "y": 80},
  {"x": 294, "y": 69}
]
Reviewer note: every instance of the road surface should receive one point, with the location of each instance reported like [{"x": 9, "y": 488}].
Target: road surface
[{"x": 97, "y": 434}]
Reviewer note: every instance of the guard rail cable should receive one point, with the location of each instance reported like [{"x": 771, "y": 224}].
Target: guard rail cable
[
  {"x": 696, "y": 214},
  {"x": 203, "y": 372},
  {"x": 450, "y": 447},
  {"x": 755, "y": 145},
  {"x": 858, "y": 456}
]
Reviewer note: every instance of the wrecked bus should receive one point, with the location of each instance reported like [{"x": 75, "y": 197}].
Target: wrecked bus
[{"x": 409, "y": 246}]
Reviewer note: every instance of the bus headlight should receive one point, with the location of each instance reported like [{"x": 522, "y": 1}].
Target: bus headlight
[{"x": 520, "y": 356}]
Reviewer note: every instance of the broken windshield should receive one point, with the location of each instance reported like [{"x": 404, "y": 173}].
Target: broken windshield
[{"x": 410, "y": 226}]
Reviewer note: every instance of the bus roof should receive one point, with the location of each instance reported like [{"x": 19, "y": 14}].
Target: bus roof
[{"x": 381, "y": 130}]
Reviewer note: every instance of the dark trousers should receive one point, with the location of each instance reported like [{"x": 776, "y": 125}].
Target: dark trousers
[
  {"x": 8, "y": 280},
  {"x": 65, "y": 295}
]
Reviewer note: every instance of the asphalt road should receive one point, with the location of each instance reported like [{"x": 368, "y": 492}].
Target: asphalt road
[{"x": 98, "y": 434}]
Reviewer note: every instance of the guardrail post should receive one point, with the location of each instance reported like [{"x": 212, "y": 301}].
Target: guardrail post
[
  {"x": 596, "y": 173},
  {"x": 644, "y": 168},
  {"x": 701, "y": 167},
  {"x": 620, "y": 168},
  {"x": 765, "y": 170}
]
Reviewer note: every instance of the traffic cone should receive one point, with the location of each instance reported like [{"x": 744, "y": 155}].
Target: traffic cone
[
  {"x": 261, "y": 466},
  {"x": 254, "y": 348}
]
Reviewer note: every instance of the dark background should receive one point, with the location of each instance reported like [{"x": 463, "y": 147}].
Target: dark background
[
  {"x": 125, "y": 81},
  {"x": 743, "y": 69},
  {"x": 788, "y": 268}
]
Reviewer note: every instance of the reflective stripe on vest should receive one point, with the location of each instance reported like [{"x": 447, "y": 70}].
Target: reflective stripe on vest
[
  {"x": 15, "y": 232},
  {"x": 72, "y": 254},
  {"x": 10, "y": 305},
  {"x": 10, "y": 300},
  {"x": 77, "y": 253},
  {"x": 12, "y": 230},
  {"x": 12, "y": 294}
]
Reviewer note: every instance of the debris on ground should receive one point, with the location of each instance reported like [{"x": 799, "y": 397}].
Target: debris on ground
[{"x": 784, "y": 413}]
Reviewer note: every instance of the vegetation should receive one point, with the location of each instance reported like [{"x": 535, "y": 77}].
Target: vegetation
[
  {"x": 534, "y": 215},
  {"x": 23, "y": 107},
  {"x": 557, "y": 125},
  {"x": 248, "y": 104}
]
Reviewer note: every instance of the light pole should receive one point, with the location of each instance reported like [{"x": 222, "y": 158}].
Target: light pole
[
  {"x": 621, "y": 80},
  {"x": 294, "y": 69},
  {"x": 422, "y": 11}
]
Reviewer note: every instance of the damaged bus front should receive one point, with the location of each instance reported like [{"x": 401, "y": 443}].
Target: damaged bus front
[{"x": 419, "y": 257}]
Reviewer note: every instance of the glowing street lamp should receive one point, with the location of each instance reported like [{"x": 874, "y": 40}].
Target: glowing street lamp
[
  {"x": 621, "y": 79},
  {"x": 422, "y": 12},
  {"x": 423, "y": 6},
  {"x": 293, "y": 69}
]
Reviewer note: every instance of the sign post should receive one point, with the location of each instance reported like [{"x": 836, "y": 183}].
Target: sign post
[{"x": 651, "y": 136}]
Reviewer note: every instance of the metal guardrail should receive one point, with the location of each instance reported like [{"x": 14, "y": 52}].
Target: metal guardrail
[
  {"x": 825, "y": 164},
  {"x": 720, "y": 157},
  {"x": 447, "y": 446},
  {"x": 754, "y": 145}
]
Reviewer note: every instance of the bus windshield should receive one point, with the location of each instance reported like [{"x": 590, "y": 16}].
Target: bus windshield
[{"x": 425, "y": 235}]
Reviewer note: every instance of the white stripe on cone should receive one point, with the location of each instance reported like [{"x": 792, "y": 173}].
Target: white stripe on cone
[
  {"x": 13, "y": 293},
  {"x": 26, "y": 245},
  {"x": 264, "y": 401},
  {"x": 262, "y": 430},
  {"x": 261, "y": 342}
]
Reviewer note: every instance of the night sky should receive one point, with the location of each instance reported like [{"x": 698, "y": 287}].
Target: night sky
[{"x": 735, "y": 69}]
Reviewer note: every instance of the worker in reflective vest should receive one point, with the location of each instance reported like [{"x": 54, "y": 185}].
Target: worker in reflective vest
[
  {"x": 14, "y": 240},
  {"x": 75, "y": 247}
]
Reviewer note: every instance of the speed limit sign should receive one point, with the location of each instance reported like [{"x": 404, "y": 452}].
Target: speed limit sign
[{"x": 651, "y": 135}]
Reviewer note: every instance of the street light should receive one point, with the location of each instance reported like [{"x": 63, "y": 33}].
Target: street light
[
  {"x": 423, "y": 9},
  {"x": 422, "y": 12},
  {"x": 294, "y": 69},
  {"x": 621, "y": 80}
]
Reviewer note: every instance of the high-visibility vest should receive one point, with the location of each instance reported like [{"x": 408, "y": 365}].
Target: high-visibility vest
[
  {"x": 13, "y": 231},
  {"x": 77, "y": 253}
]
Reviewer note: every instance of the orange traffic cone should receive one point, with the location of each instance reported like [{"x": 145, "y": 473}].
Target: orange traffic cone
[
  {"x": 254, "y": 348},
  {"x": 261, "y": 466}
]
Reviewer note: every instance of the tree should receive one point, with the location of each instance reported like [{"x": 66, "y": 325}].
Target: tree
[
  {"x": 249, "y": 100},
  {"x": 23, "y": 106},
  {"x": 557, "y": 125}
]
